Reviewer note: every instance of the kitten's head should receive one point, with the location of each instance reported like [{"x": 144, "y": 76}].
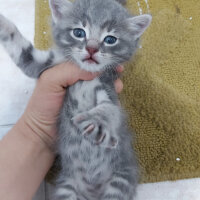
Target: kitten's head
[{"x": 96, "y": 34}]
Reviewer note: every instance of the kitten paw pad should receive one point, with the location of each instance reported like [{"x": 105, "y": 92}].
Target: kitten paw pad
[{"x": 100, "y": 137}]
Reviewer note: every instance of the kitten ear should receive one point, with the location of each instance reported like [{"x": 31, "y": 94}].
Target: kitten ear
[
  {"x": 59, "y": 8},
  {"x": 139, "y": 24}
]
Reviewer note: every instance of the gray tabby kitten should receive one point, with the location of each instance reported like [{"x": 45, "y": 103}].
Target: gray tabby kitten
[{"x": 94, "y": 144}]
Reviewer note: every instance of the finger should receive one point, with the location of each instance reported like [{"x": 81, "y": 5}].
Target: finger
[
  {"x": 120, "y": 68},
  {"x": 86, "y": 76},
  {"x": 66, "y": 74},
  {"x": 118, "y": 86}
]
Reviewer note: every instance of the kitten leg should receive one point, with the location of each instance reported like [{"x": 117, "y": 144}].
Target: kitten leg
[
  {"x": 121, "y": 186},
  {"x": 30, "y": 60},
  {"x": 100, "y": 124},
  {"x": 65, "y": 190}
]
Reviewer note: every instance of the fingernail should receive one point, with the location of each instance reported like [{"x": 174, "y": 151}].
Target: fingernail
[{"x": 120, "y": 68}]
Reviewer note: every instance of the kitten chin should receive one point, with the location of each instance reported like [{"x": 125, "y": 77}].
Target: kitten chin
[{"x": 91, "y": 66}]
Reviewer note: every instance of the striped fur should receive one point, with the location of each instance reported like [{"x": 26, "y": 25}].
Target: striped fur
[{"x": 95, "y": 146}]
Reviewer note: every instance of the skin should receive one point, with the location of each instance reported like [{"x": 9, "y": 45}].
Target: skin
[{"x": 26, "y": 151}]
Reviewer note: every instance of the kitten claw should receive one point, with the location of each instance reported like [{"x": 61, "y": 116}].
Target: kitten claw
[
  {"x": 100, "y": 139},
  {"x": 89, "y": 129},
  {"x": 113, "y": 142}
]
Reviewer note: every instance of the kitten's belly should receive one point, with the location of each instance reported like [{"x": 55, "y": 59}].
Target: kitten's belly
[
  {"x": 90, "y": 162},
  {"x": 91, "y": 170}
]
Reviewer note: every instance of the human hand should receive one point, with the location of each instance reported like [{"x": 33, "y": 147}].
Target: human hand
[{"x": 44, "y": 106}]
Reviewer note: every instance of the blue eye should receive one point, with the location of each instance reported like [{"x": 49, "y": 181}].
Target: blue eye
[
  {"x": 110, "y": 40},
  {"x": 79, "y": 33}
]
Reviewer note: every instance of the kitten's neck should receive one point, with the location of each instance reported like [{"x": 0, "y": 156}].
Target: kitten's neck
[{"x": 109, "y": 75}]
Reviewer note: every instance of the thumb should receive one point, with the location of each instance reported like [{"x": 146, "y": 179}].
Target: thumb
[{"x": 66, "y": 74}]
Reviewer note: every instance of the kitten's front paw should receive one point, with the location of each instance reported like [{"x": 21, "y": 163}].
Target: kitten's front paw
[
  {"x": 96, "y": 129},
  {"x": 7, "y": 29}
]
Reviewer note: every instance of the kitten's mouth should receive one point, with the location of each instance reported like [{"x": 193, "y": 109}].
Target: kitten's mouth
[{"x": 90, "y": 60}]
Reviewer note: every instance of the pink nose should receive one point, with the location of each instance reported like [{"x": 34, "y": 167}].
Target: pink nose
[{"x": 91, "y": 50}]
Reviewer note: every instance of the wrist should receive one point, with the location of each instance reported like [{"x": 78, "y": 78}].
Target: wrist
[{"x": 30, "y": 131}]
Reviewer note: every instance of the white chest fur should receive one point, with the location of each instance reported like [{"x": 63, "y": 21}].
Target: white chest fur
[{"x": 84, "y": 93}]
